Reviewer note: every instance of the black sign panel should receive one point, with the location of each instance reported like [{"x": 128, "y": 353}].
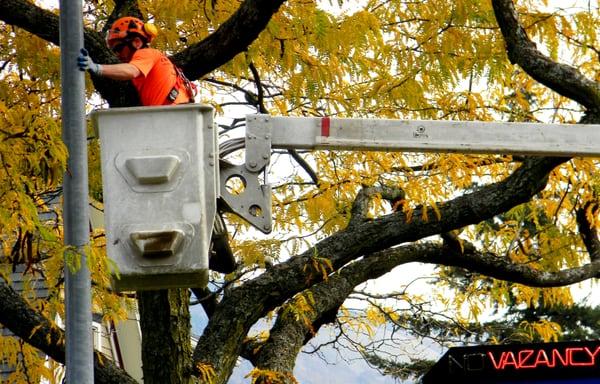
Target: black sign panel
[{"x": 544, "y": 363}]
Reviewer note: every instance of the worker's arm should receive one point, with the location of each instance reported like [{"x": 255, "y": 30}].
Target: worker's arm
[{"x": 123, "y": 71}]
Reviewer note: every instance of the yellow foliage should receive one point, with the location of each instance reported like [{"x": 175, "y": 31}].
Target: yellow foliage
[
  {"x": 547, "y": 330},
  {"x": 254, "y": 252},
  {"x": 394, "y": 59},
  {"x": 207, "y": 373},
  {"x": 317, "y": 267},
  {"x": 28, "y": 361},
  {"x": 379, "y": 316},
  {"x": 265, "y": 376},
  {"x": 301, "y": 307}
]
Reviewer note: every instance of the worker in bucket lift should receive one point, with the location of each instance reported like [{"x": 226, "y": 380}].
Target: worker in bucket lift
[{"x": 157, "y": 80}]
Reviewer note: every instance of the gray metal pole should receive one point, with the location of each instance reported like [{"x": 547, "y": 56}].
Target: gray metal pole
[{"x": 79, "y": 348}]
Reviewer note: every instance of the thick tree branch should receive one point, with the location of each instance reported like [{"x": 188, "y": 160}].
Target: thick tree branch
[
  {"x": 123, "y": 8},
  {"x": 502, "y": 268},
  {"x": 166, "y": 333},
  {"x": 562, "y": 78},
  {"x": 232, "y": 37},
  {"x": 37, "y": 331},
  {"x": 588, "y": 233},
  {"x": 360, "y": 206},
  {"x": 24, "y": 14},
  {"x": 207, "y": 299},
  {"x": 244, "y": 305},
  {"x": 471, "y": 208},
  {"x": 290, "y": 334}
]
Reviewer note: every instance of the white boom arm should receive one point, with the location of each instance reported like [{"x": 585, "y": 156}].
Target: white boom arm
[
  {"x": 430, "y": 136},
  {"x": 264, "y": 132}
]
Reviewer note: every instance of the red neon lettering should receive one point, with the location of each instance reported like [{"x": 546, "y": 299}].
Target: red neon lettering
[
  {"x": 524, "y": 356},
  {"x": 529, "y": 358},
  {"x": 497, "y": 365},
  {"x": 593, "y": 355},
  {"x": 564, "y": 360},
  {"x": 542, "y": 358},
  {"x": 509, "y": 359},
  {"x": 572, "y": 351}
]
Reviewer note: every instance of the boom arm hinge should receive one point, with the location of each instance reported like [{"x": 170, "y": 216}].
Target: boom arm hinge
[{"x": 253, "y": 201}]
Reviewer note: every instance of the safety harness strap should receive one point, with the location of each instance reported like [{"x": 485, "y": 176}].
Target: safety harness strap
[{"x": 182, "y": 79}]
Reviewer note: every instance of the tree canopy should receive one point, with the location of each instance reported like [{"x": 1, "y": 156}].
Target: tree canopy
[{"x": 501, "y": 231}]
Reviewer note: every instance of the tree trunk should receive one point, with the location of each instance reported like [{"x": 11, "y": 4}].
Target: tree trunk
[{"x": 166, "y": 335}]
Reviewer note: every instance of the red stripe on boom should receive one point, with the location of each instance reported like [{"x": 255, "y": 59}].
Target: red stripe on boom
[{"x": 325, "y": 124}]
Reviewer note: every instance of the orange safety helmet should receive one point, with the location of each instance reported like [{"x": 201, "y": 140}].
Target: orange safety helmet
[{"x": 126, "y": 26}]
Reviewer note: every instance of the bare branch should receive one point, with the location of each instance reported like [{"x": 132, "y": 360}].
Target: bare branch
[{"x": 307, "y": 168}]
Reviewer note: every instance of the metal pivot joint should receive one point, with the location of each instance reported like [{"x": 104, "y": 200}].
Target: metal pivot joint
[{"x": 253, "y": 201}]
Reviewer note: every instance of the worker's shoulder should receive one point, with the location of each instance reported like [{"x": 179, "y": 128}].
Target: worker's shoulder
[{"x": 148, "y": 52}]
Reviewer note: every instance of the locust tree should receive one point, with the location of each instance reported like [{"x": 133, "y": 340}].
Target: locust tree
[{"x": 500, "y": 230}]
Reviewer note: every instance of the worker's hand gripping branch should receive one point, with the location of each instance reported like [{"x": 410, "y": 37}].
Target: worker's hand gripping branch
[{"x": 85, "y": 63}]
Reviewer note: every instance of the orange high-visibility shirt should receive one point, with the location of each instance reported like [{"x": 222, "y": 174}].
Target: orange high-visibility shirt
[{"x": 157, "y": 79}]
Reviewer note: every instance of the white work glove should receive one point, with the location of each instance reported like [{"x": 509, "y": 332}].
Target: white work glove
[{"x": 85, "y": 63}]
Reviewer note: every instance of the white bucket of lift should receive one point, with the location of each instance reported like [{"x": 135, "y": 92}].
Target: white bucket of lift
[{"x": 159, "y": 175}]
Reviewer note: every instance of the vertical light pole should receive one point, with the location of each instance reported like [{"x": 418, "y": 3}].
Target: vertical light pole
[{"x": 79, "y": 348}]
